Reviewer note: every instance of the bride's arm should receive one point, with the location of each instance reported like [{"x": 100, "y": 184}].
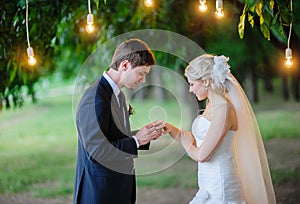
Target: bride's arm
[
  {"x": 220, "y": 125},
  {"x": 173, "y": 131},
  {"x": 185, "y": 138}
]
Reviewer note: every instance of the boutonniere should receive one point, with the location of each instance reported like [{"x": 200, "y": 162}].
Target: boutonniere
[{"x": 130, "y": 110}]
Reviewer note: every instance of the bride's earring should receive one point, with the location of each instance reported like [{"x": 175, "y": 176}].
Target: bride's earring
[{"x": 206, "y": 85}]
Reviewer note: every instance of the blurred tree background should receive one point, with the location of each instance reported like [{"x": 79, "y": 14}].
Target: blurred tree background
[
  {"x": 253, "y": 34},
  {"x": 38, "y": 143}
]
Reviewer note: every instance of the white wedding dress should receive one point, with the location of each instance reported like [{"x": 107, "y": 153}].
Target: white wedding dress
[{"x": 218, "y": 179}]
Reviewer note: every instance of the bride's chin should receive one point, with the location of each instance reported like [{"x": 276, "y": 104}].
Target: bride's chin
[{"x": 200, "y": 98}]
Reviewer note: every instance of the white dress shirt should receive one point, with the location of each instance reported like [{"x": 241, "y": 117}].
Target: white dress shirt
[{"x": 116, "y": 91}]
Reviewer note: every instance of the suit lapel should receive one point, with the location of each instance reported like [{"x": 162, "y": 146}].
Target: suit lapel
[
  {"x": 125, "y": 111},
  {"x": 115, "y": 108},
  {"x": 127, "y": 119}
]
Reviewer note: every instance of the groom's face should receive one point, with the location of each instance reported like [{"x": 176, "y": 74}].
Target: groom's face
[{"x": 134, "y": 76}]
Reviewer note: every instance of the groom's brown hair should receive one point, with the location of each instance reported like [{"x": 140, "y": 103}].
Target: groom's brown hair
[{"x": 135, "y": 51}]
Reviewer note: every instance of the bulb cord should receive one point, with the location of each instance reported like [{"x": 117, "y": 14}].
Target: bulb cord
[
  {"x": 27, "y": 32},
  {"x": 89, "y": 6},
  {"x": 290, "y": 32}
]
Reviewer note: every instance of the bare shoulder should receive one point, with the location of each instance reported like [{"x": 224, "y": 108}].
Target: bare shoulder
[
  {"x": 225, "y": 106},
  {"x": 226, "y": 111},
  {"x": 232, "y": 115}
]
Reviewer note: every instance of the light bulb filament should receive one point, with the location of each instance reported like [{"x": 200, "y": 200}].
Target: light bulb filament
[
  {"x": 219, "y": 13},
  {"x": 202, "y": 6},
  {"x": 148, "y": 3},
  {"x": 31, "y": 61},
  {"x": 288, "y": 62}
]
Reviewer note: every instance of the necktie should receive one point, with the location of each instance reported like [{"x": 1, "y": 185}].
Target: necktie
[{"x": 121, "y": 98}]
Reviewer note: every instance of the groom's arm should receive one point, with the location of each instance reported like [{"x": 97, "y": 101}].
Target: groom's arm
[
  {"x": 140, "y": 147},
  {"x": 94, "y": 133},
  {"x": 156, "y": 129}
]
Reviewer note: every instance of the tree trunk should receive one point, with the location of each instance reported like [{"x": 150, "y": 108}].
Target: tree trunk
[
  {"x": 181, "y": 89},
  {"x": 268, "y": 86},
  {"x": 295, "y": 86},
  {"x": 7, "y": 102},
  {"x": 157, "y": 88},
  {"x": 285, "y": 89},
  {"x": 255, "y": 87},
  {"x": 251, "y": 83}
]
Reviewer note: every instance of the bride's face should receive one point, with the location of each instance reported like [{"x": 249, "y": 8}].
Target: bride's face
[{"x": 198, "y": 88}]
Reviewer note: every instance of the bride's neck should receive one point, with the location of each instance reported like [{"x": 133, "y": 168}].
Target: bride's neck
[
  {"x": 213, "y": 101},
  {"x": 216, "y": 98}
]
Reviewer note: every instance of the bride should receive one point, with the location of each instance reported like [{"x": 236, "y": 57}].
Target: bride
[{"x": 225, "y": 139}]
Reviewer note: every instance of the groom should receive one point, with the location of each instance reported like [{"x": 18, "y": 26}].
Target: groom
[{"x": 106, "y": 145}]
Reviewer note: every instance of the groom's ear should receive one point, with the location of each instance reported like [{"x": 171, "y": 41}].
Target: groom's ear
[{"x": 124, "y": 65}]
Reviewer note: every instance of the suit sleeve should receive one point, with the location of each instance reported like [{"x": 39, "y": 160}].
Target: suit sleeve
[{"x": 93, "y": 124}]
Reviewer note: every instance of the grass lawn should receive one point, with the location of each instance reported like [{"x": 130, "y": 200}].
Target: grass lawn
[
  {"x": 39, "y": 142},
  {"x": 38, "y": 145}
]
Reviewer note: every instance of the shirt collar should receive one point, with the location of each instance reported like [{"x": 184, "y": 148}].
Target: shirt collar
[{"x": 113, "y": 85}]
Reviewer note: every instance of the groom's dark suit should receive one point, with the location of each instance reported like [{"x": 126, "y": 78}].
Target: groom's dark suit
[{"x": 105, "y": 167}]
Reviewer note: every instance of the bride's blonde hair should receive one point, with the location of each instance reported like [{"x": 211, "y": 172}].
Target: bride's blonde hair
[{"x": 202, "y": 68}]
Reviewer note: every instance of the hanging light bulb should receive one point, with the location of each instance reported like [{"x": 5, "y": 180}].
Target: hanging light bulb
[
  {"x": 288, "y": 56},
  {"x": 31, "y": 58},
  {"x": 90, "y": 20},
  {"x": 219, "y": 9},
  {"x": 90, "y": 23},
  {"x": 288, "y": 51},
  {"x": 148, "y": 3},
  {"x": 202, "y": 6},
  {"x": 30, "y": 53}
]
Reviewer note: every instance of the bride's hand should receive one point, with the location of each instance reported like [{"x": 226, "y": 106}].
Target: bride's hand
[{"x": 167, "y": 129}]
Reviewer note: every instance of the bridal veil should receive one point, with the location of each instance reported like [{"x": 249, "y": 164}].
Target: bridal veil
[{"x": 249, "y": 150}]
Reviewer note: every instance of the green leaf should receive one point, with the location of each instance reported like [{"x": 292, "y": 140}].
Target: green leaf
[
  {"x": 13, "y": 73},
  {"x": 267, "y": 18},
  {"x": 252, "y": 8},
  {"x": 261, "y": 20},
  {"x": 286, "y": 15},
  {"x": 251, "y": 3},
  {"x": 281, "y": 31},
  {"x": 265, "y": 31},
  {"x": 97, "y": 3},
  {"x": 277, "y": 30},
  {"x": 251, "y": 19},
  {"x": 269, "y": 9},
  {"x": 272, "y": 4},
  {"x": 241, "y": 26},
  {"x": 258, "y": 9}
]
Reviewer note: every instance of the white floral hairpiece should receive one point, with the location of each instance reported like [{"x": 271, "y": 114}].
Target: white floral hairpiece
[{"x": 221, "y": 70}]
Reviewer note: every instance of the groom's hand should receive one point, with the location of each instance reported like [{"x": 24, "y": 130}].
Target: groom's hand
[
  {"x": 146, "y": 134},
  {"x": 150, "y": 132},
  {"x": 159, "y": 126}
]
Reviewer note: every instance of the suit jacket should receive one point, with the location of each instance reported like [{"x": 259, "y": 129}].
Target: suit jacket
[{"x": 105, "y": 166}]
